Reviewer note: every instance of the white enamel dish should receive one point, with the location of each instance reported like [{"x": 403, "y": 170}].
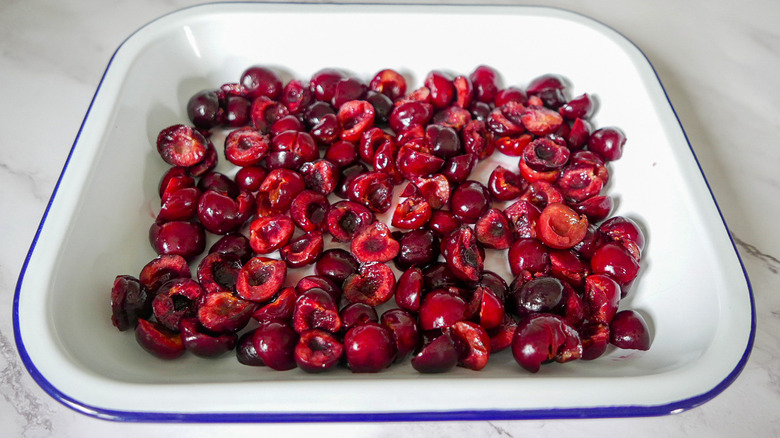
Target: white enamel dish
[{"x": 692, "y": 290}]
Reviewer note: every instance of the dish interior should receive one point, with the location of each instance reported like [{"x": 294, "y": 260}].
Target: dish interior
[{"x": 691, "y": 289}]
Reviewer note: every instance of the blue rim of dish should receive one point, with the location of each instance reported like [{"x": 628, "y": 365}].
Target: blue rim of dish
[{"x": 623, "y": 411}]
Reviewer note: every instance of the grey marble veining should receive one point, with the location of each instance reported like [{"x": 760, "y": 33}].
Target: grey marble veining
[{"x": 718, "y": 62}]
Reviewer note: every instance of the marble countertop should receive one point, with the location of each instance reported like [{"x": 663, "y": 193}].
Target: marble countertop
[{"x": 717, "y": 60}]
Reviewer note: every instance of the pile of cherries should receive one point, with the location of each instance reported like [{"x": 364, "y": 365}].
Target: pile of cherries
[{"x": 319, "y": 161}]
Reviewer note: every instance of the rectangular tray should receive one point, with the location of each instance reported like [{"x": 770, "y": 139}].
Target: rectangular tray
[{"x": 692, "y": 288}]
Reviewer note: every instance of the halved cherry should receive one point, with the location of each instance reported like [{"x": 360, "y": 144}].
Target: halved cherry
[
  {"x": 246, "y": 146},
  {"x": 280, "y": 308},
  {"x": 158, "y": 340},
  {"x": 472, "y": 343},
  {"x": 523, "y": 216},
  {"x": 162, "y": 269},
  {"x": 602, "y": 295},
  {"x": 463, "y": 254},
  {"x": 493, "y": 230},
  {"x": 369, "y": 348},
  {"x": 390, "y": 83},
  {"x": 409, "y": 290},
  {"x": 317, "y": 350},
  {"x": 278, "y": 190},
  {"x": 474, "y": 138},
  {"x": 374, "y": 243},
  {"x": 303, "y": 250},
  {"x": 403, "y": 325},
  {"x": 336, "y": 264},
  {"x": 505, "y": 185},
  {"x": 175, "y": 300},
  {"x": 203, "y": 342},
  {"x": 412, "y": 213},
  {"x": 626, "y": 232},
  {"x": 181, "y": 145},
  {"x": 267, "y": 234},
  {"x": 501, "y": 335},
  {"x": 260, "y": 278},
  {"x": 595, "y": 340},
  {"x": 540, "y": 120},
  {"x": 373, "y": 284},
  {"x": 130, "y": 301},
  {"x": 309, "y": 210},
  {"x": 613, "y": 259},
  {"x": 320, "y": 281},
  {"x": 356, "y": 117},
  {"x": 438, "y": 356},
  {"x": 373, "y": 190},
  {"x": 225, "y": 312},
  {"x": 434, "y": 188},
  {"x": 561, "y": 227},
  {"x": 315, "y": 309},
  {"x": 544, "y": 337},
  {"x": 218, "y": 272}
]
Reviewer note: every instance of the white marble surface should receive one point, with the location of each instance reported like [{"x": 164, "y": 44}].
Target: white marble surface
[{"x": 717, "y": 60}]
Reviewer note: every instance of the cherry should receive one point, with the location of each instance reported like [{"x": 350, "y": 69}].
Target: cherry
[
  {"x": 505, "y": 185},
  {"x": 369, "y": 348},
  {"x": 441, "y": 309},
  {"x": 336, "y": 264},
  {"x": 203, "y": 109},
  {"x": 602, "y": 295},
  {"x": 607, "y": 143},
  {"x": 267, "y": 234},
  {"x": 162, "y": 269},
  {"x": 470, "y": 201},
  {"x": 355, "y": 117},
  {"x": 183, "y": 238},
  {"x": 409, "y": 290},
  {"x": 418, "y": 247},
  {"x": 246, "y": 146},
  {"x": 320, "y": 176},
  {"x": 628, "y": 330},
  {"x": 261, "y": 81},
  {"x": 463, "y": 255},
  {"x": 245, "y": 350},
  {"x": 275, "y": 345},
  {"x": 486, "y": 83},
  {"x": 222, "y": 214},
  {"x": 320, "y": 282},
  {"x": 493, "y": 230},
  {"x": 323, "y": 83}
]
